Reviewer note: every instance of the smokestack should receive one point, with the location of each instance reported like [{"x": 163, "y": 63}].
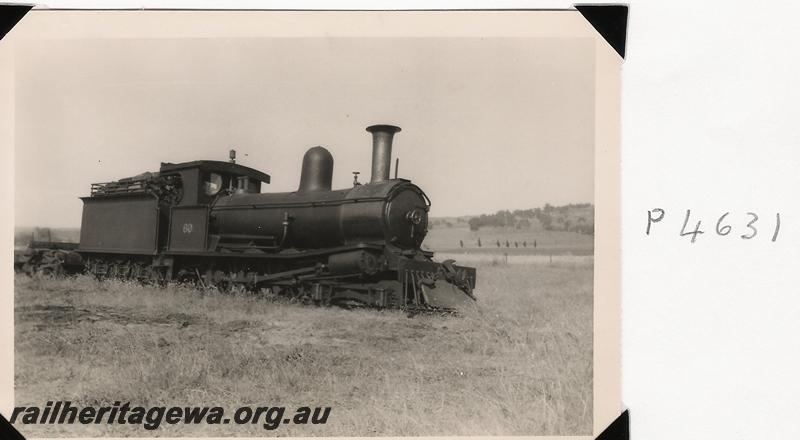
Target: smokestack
[
  {"x": 317, "y": 171},
  {"x": 381, "y": 151}
]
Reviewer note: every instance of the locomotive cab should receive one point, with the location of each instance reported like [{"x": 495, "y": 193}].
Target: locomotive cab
[{"x": 202, "y": 180}]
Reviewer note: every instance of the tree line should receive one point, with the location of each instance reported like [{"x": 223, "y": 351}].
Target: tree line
[{"x": 574, "y": 217}]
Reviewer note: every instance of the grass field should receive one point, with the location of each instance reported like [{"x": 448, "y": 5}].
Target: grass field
[
  {"x": 520, "y": 364},
  {"x": 444, "y": 239}
]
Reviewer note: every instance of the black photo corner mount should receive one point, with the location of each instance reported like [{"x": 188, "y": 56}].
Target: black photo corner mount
[
  {"x": 619, "y": 429},
  {"x": 610, "y": 21},
  {"x": 10, "y": 15},
  {"x": 7, "y": 431}
]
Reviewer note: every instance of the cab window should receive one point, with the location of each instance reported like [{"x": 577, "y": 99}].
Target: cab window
[{"x": 212, "y": 184}]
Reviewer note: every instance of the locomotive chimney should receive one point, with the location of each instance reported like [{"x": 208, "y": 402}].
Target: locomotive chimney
[
  {"x": 381, "y": 151},
  {"x": 317, "y": 171}
]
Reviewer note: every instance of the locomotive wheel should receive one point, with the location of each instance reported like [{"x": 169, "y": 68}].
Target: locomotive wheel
[
  {"x": 229, "y": 287},
  {"x": 124, "y": 269},
  {"x": 186, "y": 276},
  {"x": 349, "y": 304},
  {"x": 224, "y": 286},
  {"x": 54, "y": 270},
  {"x": 49, "y": 264},
  {"x": 111, "y": 272},
  {"x": 141, "y": 272},
  {"x": 288, "y": 292},
  {"x": 347, "y": 299},
  {"x": 28, "y": 268}
]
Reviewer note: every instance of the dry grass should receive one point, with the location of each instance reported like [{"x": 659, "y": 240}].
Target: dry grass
[{"x": 520, "y": 364}]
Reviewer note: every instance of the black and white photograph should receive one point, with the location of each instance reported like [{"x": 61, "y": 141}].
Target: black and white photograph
[{"x": 302, "y": 224}]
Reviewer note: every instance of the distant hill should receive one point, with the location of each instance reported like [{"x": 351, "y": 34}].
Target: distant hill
[{"x": 575, "y": 217}]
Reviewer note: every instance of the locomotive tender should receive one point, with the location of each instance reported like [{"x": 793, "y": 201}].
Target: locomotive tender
[{"x": 208, "y": 222}]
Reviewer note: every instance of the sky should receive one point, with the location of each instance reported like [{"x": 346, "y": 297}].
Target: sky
[{"x": 488, "y": 124}]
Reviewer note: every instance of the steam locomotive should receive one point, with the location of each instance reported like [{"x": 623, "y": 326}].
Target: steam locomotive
[{"x": 208, "y": 222}]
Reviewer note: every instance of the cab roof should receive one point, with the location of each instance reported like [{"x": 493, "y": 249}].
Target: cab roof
[{"x": 216, "y": 166}]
